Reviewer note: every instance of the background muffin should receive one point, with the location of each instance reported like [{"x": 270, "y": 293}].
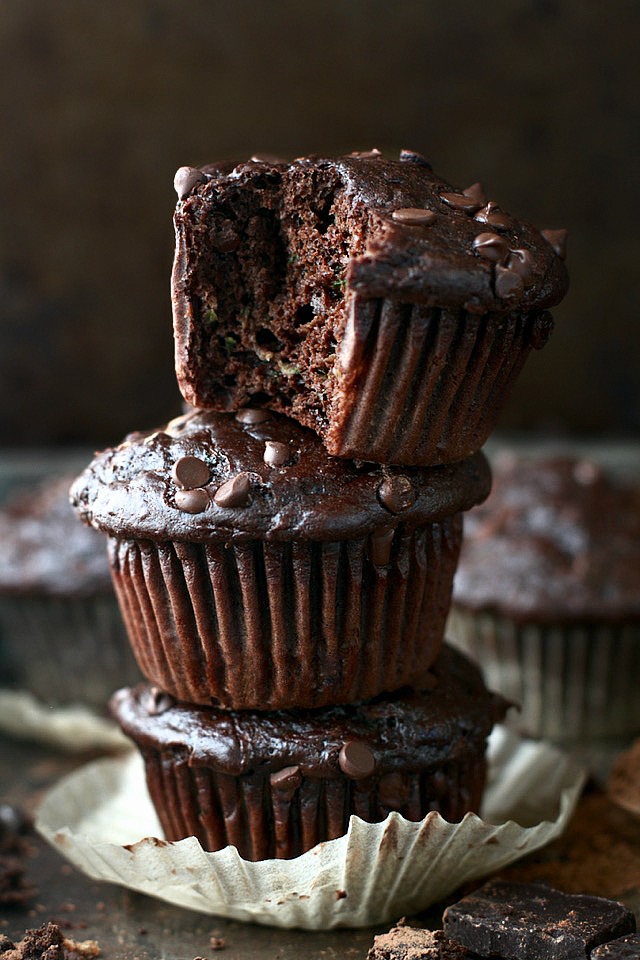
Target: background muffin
[
  {"x": 275, "y": 784},
  {"x": 61, "y": 631},
  {"x": 546, "y": 594},
  {"x": 255, "y": 571}
]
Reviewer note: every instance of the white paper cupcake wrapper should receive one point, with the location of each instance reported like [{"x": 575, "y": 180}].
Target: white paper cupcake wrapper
[
  {"x": 97, "y": 816},
  {"x": 74, "y": 728}
]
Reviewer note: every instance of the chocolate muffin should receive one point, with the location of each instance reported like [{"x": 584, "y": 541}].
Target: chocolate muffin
[
  {"x": 63, "y": 638},
  {"x": 546, "y": 595},
  {"x": 254, "y": 571},
  {"x": 365, "y": 297},
  {"x": 276, "y": 784}
]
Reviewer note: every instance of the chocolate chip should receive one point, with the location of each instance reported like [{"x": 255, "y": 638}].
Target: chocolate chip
[
  {"x": 289, "y": 778},
  {"x": 493, "y": 216},
  {"x": 380, "y": 543},
  {"x": 396, "y": 493},
  {"x": 459, "y": 201},
  {"x": 356, "y": 760},
  {"x": 415, "y": 216},
  {"x": 276, "y": 454},
  {"x": 267, "y": 158},
  {"x": 186, "y": 179},
  {"x": 476, "y": 192},
  {"x": 558, "y": 240},
  {"x": 192, "y": 501},
  {"x": 491, "y": 246},
  {"x": 155, "y": 701},
  {"x": 234, "y": 492},
  {"x": 521, "y": 262},
  {"x": 252, "y": 415},
  {"x": 190, "y": 472},
  {"x": 412, "y": 156},
  {"x": 508, "y": 283}
]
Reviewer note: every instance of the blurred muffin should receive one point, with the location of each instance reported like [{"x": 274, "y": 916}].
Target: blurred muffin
[
  {"x": 365, "y": 297},
  {"x": 254, "y": 571},
  {"x": 547, "y": 599},
  {"x": 276, "y": 784},
  {"x": 63, "y": 638}
]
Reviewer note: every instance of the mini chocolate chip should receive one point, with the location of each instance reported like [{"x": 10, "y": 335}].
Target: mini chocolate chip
[
  {"x": 289, "y": 778},
  {"x": 190, "y": 472},
  {"x": 156, "y": 701},
  {"x": 396, "y": 493},
  {"x": 186, "y": 179},
  {"x": 491, "y": 246},
  {"x": 508, "y": 283},
  {"x": 234, "y": 492},
  {"x": 412, "y": 156},
  {"x": 461, "y": 202},
  {"x": 521, "y": 262},
  {"x": 414, "y": 216},
  {"x": 252, "y": 415},
  {"x": 276, "y": 454},
  {"x": 476, "y": 192},
  {"x": 541, "y": 330},
  {"x": 380, "y": 543},
  {"x": 558, "y": 240},
  {"x": 493, "y": 216},
  {"x": 356, "y": 760},
  {"x": 192, "y": 501}
]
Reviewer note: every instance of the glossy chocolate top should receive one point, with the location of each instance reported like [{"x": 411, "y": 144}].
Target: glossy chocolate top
[
  {"x": 414, "y": 728},
  {"x": 428, "y": 242},
  {"x": 45, "y": 550},
  {"x": 255, "y": 474},
  {"x": 558, "y": 540}
]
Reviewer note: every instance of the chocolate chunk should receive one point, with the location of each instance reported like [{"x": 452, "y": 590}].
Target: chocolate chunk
[
  {"x": 476, "y": 192},
  {"x": 289, "y": 779},
  {"x": 186, "y": 179},
  {"x": 624, "y": 948},
  {"x": 521, "y": 262},
  {"x": 412, "y": 156},
  {"x": 493, "y": 216},
  {"x": 356, "y": 760},
  {"x": 414, "y": 216},
  {"x": 192, "y": 501},
  {"x": 276, "y": 454},
  {"x": 491, "y": 246},
  {"x": 155, "y": 701},
  {"x": 380, "y": 544},
  {"x": 234, "y": 492},
  {"x": 396, "y": 494},
  {"x": 461, "y": 201},
  {"x": 252, "y": 415},
  {"x": 530, "y": 921},
  {"x": 190, "y": 472},
  {"x": 508, "y": 283},
  {"x": 558, "y": 240}
]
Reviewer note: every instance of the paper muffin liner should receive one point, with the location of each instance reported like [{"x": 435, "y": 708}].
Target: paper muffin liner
[
  {"x": 101, "y": 818},
  {"x": 272, "y": 625},
  {"x": 65, "y": 650},
  {"x": 574, "y": 683},
  {"x": 74, "y": 728},
  {"x": 424, "y": 385}
]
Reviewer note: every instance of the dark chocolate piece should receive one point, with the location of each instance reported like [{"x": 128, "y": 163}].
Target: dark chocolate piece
[
  {"x": 396, "y": 494},
  {"x": 191, "y": 472},
  {"x": 186, "y": 179},
  {"x": 192, "y": 501},
  {"x": 252, "y": 416},
  {"x": 155, "y": 701},
  {"x": 413, "y": 215},
  {"x": 276, "y": 454},
  {"x": 624, "y": 948},
  {"x": 233, "y": 492},
  {"x": 491, "y": 245},
  {"x": 356, "y": 760},
  {"x": 530, "y": 921}
]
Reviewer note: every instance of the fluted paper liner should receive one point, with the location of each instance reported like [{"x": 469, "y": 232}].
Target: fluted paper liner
[
  {"x": 72, "y": 727},
  {"x": 101, "y": 818}
]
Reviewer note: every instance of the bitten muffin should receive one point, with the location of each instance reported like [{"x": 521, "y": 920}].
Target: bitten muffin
[
  {"x": 275, "y": 784},
  {"x": 365, "y": 297},
  {"x": 255, "y": 571},
  {"x": 63, "y": 638},
  {"x": 546, "y": 595}
]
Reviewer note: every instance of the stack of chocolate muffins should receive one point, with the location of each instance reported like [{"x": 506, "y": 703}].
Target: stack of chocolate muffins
[{"x": 347, "y": 331}]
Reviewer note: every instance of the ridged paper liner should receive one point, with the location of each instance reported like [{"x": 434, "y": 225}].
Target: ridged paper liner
[
  {"x": 66, "y": 650},
  {"x": 573, "y": 683},
  {"x": 71, "y": 727},
  {"x": 272, "y": 625},
  {"x": 101, "y": 819},
  {"x": 423, "y": 385}
]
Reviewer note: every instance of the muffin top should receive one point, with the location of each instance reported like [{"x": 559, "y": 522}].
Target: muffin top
[
  {"x": 44, "y": 549},
  {"x": 255, "y": 474},
  {"x": 449, "y": 712},
  {"x": 558, "y": 540},
  {"x": 408, "y": 234}
]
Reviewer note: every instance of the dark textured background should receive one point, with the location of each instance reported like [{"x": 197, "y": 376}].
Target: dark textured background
[{"x": 100, "y": 103}]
